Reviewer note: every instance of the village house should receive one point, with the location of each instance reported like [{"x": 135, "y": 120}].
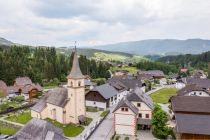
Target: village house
[
  {"x": 203, "y": 83},
  {"x": 22, "y": 86},
  {"x": 193, "y": 90},
  {"x": 152, "y": 74},
  {"x": 130, "y": 84},
  {"x": 38, "y": 129},
  {"x": 102, "y": 97},
  {"x": 199, "y": 74},
  {"x": 65, "y": 105},
  {"x": 191, "y": 117},
  {"x": 135, "y": 110}
]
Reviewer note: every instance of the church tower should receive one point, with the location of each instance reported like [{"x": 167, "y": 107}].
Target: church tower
[{"x": 76, "y": 91}]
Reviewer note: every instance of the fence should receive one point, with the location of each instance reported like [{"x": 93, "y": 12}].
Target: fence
[
  {"x": 16, "y": 109},
  {"x": 89, "y": 132}
]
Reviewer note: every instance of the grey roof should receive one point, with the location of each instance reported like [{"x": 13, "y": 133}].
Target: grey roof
[
  {"x": 38, "y": 129},
  {"x": 144, "y": 121},
  {"x": 119, "y": 86},
  {"x": 129, "y": 83},
  {"x": 195, "y": 104},
  {"x": 204, "y": 83},
  {"x": 106, "y": 90},
  {"x": 192, "y": 124},
  {"x": 189, "y": 88},
  {"x": 58, "y": 97},
  {"x": 38, "y": 107},
  {"x": 138, "y": 95},
  {"x": 88, "y": 83},
  {"x": 22, "y": 81},
  {"x": 154, "y": 73},
  {"x": 125, "y": 103},
  {"x": 75, "y": 70}
]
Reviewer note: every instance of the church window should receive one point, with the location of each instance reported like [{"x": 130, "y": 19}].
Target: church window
[{"x": 79, "y": 83}]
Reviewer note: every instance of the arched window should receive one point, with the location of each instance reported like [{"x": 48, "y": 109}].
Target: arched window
[{"x": 79, "y": 83}]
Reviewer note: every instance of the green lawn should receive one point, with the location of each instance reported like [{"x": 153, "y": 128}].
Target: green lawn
[
  {"x": 49, "y": 87},
  {"x": 91, "y": 109},
  {"x": 69, "y": 130},
  {"x": 22, "y": 118},
  {"x": 163, "y": 95},
  {"x": 8, "y": 130},
  {"x": 103, "y": 114}
]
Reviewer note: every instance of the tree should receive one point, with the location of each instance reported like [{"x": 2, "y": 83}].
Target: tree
[{"x": 159, "y": 123}]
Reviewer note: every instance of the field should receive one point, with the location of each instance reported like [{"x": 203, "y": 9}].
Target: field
[
  {"x": 132, "y": 70},
  {"x": 163, "y": 95}
]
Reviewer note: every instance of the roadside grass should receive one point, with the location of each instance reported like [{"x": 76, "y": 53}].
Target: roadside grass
[
  {"x": 103, "y": 114},
  {"x": 89, "y": 120},
  {"x": 163, "y": 95},
  {"x": 70, "y": 130},
  {"x": 21, "y": 118}
]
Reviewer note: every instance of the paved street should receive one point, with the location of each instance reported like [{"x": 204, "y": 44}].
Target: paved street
[{"x": 105, "y": 129}]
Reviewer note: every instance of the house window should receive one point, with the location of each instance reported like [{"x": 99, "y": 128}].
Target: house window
[
  {"x": 200, "y": 93},
  {"x": 122, "y": 109},
  {"x": 115, "y": 97},
  {"x": 94, "y": 95},
  {"x": 194, "y": 93},
  {"x": 147, "y": 115},
  {"x": 140, "y": 115},
  {"x": 138, "y": 104},
  {"x": 79, "y": 83},
  {"x": 111, "y": 99},
  {"x": 71, "y": 84},
  {"x": 126, "y": 109},
  {"x": 94, "y": 103}
]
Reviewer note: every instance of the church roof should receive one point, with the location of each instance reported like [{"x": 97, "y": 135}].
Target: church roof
[
  {"x": 38, "y": 129},
  {"x": 75, "y": 71}
]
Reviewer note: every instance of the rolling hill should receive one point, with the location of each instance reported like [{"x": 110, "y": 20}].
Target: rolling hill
[
  {"x": 97, "y": 54},
  {"x": 160, "y": 46}
]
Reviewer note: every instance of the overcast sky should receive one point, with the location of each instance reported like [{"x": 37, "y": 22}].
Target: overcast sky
[{"x": 94, "y": 22}]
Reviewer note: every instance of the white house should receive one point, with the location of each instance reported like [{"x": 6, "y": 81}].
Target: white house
[
  {"x": 193, "y": 90},
  {"x": 133, "y": 110},
  {"x": 103, "y": 96}
]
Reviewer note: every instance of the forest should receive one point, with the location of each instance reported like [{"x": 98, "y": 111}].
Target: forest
[
  {"x": 150, "y": 65},
  {"x": 44, "y": 64},
  {"x": 198, "y": 61}
]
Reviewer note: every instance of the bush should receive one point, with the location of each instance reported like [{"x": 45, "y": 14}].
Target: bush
[
  {"x": 18, "y": 99},
  {"x": 126, "y": 138},
  {"x": 117, "y": 137},
  {"x": 99, "y": 81}
]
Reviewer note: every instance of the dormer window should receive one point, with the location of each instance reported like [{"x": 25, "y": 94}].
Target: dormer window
[
  {"x": 79, "y": 83},
  {"x": 138, "y": 104}
]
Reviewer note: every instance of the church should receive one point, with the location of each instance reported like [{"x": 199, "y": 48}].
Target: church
[{"x": 64, "y": 105}]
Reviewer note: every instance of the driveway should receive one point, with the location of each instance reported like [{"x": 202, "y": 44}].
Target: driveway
[
  {"x": 145, "y": 135},
  {"x": 105, "y": 129}
]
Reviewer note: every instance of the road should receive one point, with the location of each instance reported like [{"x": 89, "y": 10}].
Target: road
[{"x": 105, "y": 129}]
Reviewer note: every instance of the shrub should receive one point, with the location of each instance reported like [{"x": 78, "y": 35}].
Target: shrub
[
  {"x": 117, "y": 137},
  {"x": 159, "y": 121},
  {"x": 126, "y": 138}
]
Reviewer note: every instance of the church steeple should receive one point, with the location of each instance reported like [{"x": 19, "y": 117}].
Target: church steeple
[{"x": 75, "y": 70}]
